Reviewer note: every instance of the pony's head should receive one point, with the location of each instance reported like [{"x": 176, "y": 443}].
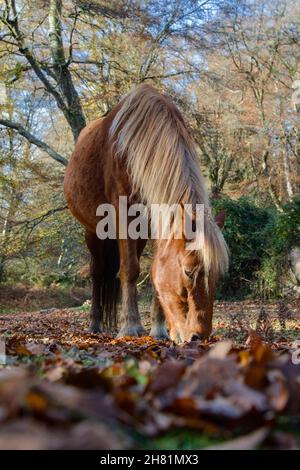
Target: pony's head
[{"x": 185, "y": 281}]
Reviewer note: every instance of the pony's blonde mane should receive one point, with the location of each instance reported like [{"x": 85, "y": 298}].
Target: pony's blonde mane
[{"x": 149, "y": 132}]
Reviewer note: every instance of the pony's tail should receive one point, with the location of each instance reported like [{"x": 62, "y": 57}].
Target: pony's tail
[{"x": 109, "y": 283}]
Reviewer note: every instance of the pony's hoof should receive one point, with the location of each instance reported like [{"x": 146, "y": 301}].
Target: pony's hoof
[
  {"x": 159, "y": 333},
  {"x": 176, "y": 337},
  {"x": 131, "y": 330}
]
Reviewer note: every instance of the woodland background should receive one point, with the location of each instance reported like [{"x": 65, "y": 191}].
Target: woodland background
[{"x": 232, "y": 68}]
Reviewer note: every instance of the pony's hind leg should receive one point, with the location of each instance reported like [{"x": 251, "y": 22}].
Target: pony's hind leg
[
  {"x": 94, "y": 245},
  {"x": 158, "y": 326},
  {"x": 129, "y": 272}
]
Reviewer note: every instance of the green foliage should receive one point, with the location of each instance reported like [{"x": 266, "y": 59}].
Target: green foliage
[
  {"x": 53, "y": 254},
  {"x": 274, "y": 274},
  {"x": 287, "y": 231},
  {"x": 260, "y": 240},
  {"x": 248, "y": 229}
]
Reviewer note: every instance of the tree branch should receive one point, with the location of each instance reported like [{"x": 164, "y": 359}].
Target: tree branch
[
  {"x": 67, "y": 100},
  {"x": 36, "y": 220},
  {"x": 34, "y": 140}
]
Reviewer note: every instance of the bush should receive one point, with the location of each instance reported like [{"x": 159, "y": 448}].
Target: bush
[
  {"x": 287, "y": 231},
  {"x": 274, "y": 276},
  {"x": 248, "y": 230}
]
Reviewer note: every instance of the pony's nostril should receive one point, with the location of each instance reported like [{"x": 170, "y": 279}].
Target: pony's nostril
[{"x": 195, "y": 337}]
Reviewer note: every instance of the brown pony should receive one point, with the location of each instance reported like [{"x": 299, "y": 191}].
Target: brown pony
[{"x": 143, "y": 150}]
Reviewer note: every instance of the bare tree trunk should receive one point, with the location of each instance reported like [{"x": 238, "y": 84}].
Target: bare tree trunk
[
  {"x": 274, "y": 196},
  {"x": 287, "y": 173},
  {"x": 76, "y": 117},
  {"x": 5, "y": 238},
  {"x": 56, "y": 78},
  {"x": 2, "y": 257}
]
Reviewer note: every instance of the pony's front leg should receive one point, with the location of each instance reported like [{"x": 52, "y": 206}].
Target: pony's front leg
[
  {"x": 128, "y": 274},
  {"x": 158, "y": 325}
]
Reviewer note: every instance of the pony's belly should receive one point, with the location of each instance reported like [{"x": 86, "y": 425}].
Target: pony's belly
[{"x": 83, "y": 195}]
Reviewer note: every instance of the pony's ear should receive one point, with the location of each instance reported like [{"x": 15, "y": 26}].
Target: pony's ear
[{"x": 220, "y": 219}]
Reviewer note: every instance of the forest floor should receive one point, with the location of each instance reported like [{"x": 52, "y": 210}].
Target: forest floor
[{"x": 63, "y": 388}]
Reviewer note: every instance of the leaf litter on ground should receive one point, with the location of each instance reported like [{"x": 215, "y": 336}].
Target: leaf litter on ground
[{"x": 64, "y": 388}]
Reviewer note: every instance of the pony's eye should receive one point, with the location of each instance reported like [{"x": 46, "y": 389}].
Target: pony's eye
[{"x": 188, "y": 273}]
